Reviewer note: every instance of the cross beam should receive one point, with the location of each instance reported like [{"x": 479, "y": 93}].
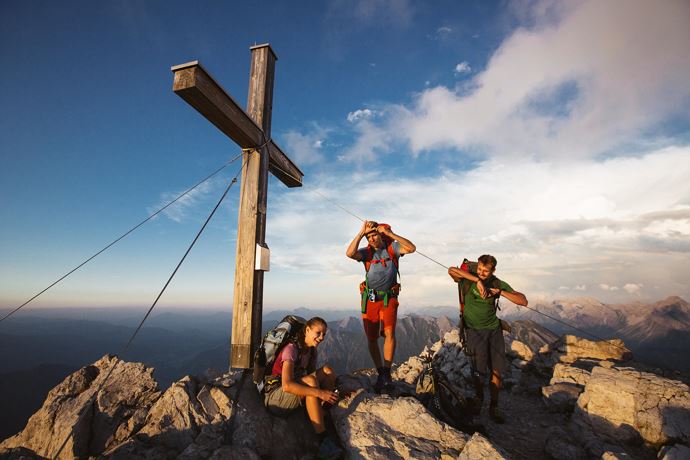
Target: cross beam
[
  {"x": 251, "y": 130},
  {"x": 193, "y": 84}
]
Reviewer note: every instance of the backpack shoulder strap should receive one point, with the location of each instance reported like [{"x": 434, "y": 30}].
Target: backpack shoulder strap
[
  {"x": 367, "y": 258},
  {"x": 391, "y": 253}
]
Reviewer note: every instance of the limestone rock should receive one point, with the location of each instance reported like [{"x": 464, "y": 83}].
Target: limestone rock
[
  {"x": 480, "y": 447},
  {"x": 561, "y": 397},
  {"x": 574, "y": 348},
  {"x": 625, "y": 404},
  {"x": 175, "y": 420},
  {"x": 379, "y": 427},
  {"x": 577, "y": 373},
  {"x": 90, "y": 412},
  {"x": 521, "y": 350}
]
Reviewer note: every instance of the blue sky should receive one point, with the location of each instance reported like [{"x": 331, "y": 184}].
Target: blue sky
[{"x": 554, "y": 135}]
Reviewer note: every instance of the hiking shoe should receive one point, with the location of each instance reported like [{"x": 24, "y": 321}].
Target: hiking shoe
[
  {"x": 330, "y": 449},
  {"x": 380, "y": 383},
  {"x": 496, "y": 415}
]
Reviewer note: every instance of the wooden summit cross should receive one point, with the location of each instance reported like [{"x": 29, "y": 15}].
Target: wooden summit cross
[{"x": 251, "y": 130}]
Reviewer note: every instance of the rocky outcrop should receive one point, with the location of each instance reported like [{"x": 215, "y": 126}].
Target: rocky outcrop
[
  {"x": 218, "y": 417},
  {"x": 574, "y": 348},
  {"x": 480, "y": 447},
  {"x": 561, "y": 397},
  {"x": 588, "y": 404},
  {"x": 447, "y": 355},
  {"x": 88, "y": 415},
  {"x": 625, "y": 405},
  {"x": 383, "y": 428}
]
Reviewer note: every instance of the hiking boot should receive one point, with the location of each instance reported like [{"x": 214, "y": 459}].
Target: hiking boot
[
  {"x": 330, "y": 449},
  {"x": 496, "y": 415},
  {"x": 380, "y": 383},
  {"x": 387, "y": 381}
]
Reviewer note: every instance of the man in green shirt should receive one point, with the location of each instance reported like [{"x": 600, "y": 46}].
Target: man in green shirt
[{"x": 483, "y": 328}]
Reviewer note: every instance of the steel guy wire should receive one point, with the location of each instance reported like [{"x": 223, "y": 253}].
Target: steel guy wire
[
  {"x": 439, "y": 263},
  {"x": 131, "y": 339},
  {"x": 108, "y": 246}
]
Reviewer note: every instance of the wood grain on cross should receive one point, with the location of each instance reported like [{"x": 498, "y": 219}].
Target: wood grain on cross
[{"x": 251, "y": 130}]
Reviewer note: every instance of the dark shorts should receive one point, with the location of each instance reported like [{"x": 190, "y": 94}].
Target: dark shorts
[{"x": 487, "y": 349}]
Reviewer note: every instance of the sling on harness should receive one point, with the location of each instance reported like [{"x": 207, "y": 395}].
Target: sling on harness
[{"x": 373, "y": 294}]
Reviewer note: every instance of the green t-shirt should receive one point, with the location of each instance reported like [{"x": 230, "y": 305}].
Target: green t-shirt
[{"x": 480, "y": 313}]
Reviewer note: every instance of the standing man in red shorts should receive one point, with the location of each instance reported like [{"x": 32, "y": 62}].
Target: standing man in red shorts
[{"x": 380, "y": 290}]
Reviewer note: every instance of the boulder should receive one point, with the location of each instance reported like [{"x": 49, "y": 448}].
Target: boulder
[
  {"x": 561, "y": 397},
  {"x": 380, "y": 427},
  {"x": 573, "y": 348},
  {"x": 480, "y": 447},
  {"x": 93, "y": 409},
  {"x": 624, "y": 404},
  {"x": 577, "y": 373},
  {"x": 521, "y": 350}
]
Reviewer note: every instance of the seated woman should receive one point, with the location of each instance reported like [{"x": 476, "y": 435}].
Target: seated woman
[{"x": 297, "y": 383}]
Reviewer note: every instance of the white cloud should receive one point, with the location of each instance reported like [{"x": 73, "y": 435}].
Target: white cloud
[
  {"x": 633, "y": 288},
  {"x": 306, "y": 148},
  {"x": 463, "y": 68},
  {"x": 586, "y": 79},
  {"x": 181, "y": 210},
  {"x": 550, "y": 225},
  {"x": 441, "y": 33},
  {"x": 360, "y": 114}
]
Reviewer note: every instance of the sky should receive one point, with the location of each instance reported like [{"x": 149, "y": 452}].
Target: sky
[{"x": 553, "y": 135}]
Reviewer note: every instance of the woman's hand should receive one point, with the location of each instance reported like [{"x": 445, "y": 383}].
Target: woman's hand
[{"x": 328, "y": 396}]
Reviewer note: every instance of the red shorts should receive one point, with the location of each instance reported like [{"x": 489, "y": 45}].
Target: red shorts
[{"x": 377, "y": 314}]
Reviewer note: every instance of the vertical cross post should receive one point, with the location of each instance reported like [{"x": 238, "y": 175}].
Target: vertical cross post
[
  {"x": 251, "y": 129},
  {"x": 251, "y": 230}
]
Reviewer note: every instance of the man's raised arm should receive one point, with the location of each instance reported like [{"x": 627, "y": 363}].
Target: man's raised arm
[
  {"x": 352, "y": 250},
  {"x": 406, "y": 246}
]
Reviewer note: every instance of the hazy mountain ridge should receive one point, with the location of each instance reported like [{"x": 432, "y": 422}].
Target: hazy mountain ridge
[{"x": 658, "y": 333}]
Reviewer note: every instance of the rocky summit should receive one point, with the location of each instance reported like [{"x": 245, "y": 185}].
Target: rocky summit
[{"x": 563, "y": 397}]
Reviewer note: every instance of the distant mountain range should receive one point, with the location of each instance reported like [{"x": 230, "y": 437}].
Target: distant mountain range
[{"x": 657, "y": 333}]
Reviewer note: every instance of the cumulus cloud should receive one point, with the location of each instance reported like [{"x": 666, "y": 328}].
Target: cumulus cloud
[
  {"x": 606, "y": 287},
  {"x": 463, "y": 68},
  {"x": 587, "y": 79},
  {"x": 633, "y": 288},
  {"x": 305, "y": 148},
  {"x": 360, "y": 114},
  {"x": 519, "y": 218},
  {"x": 581, "y": 182}
]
